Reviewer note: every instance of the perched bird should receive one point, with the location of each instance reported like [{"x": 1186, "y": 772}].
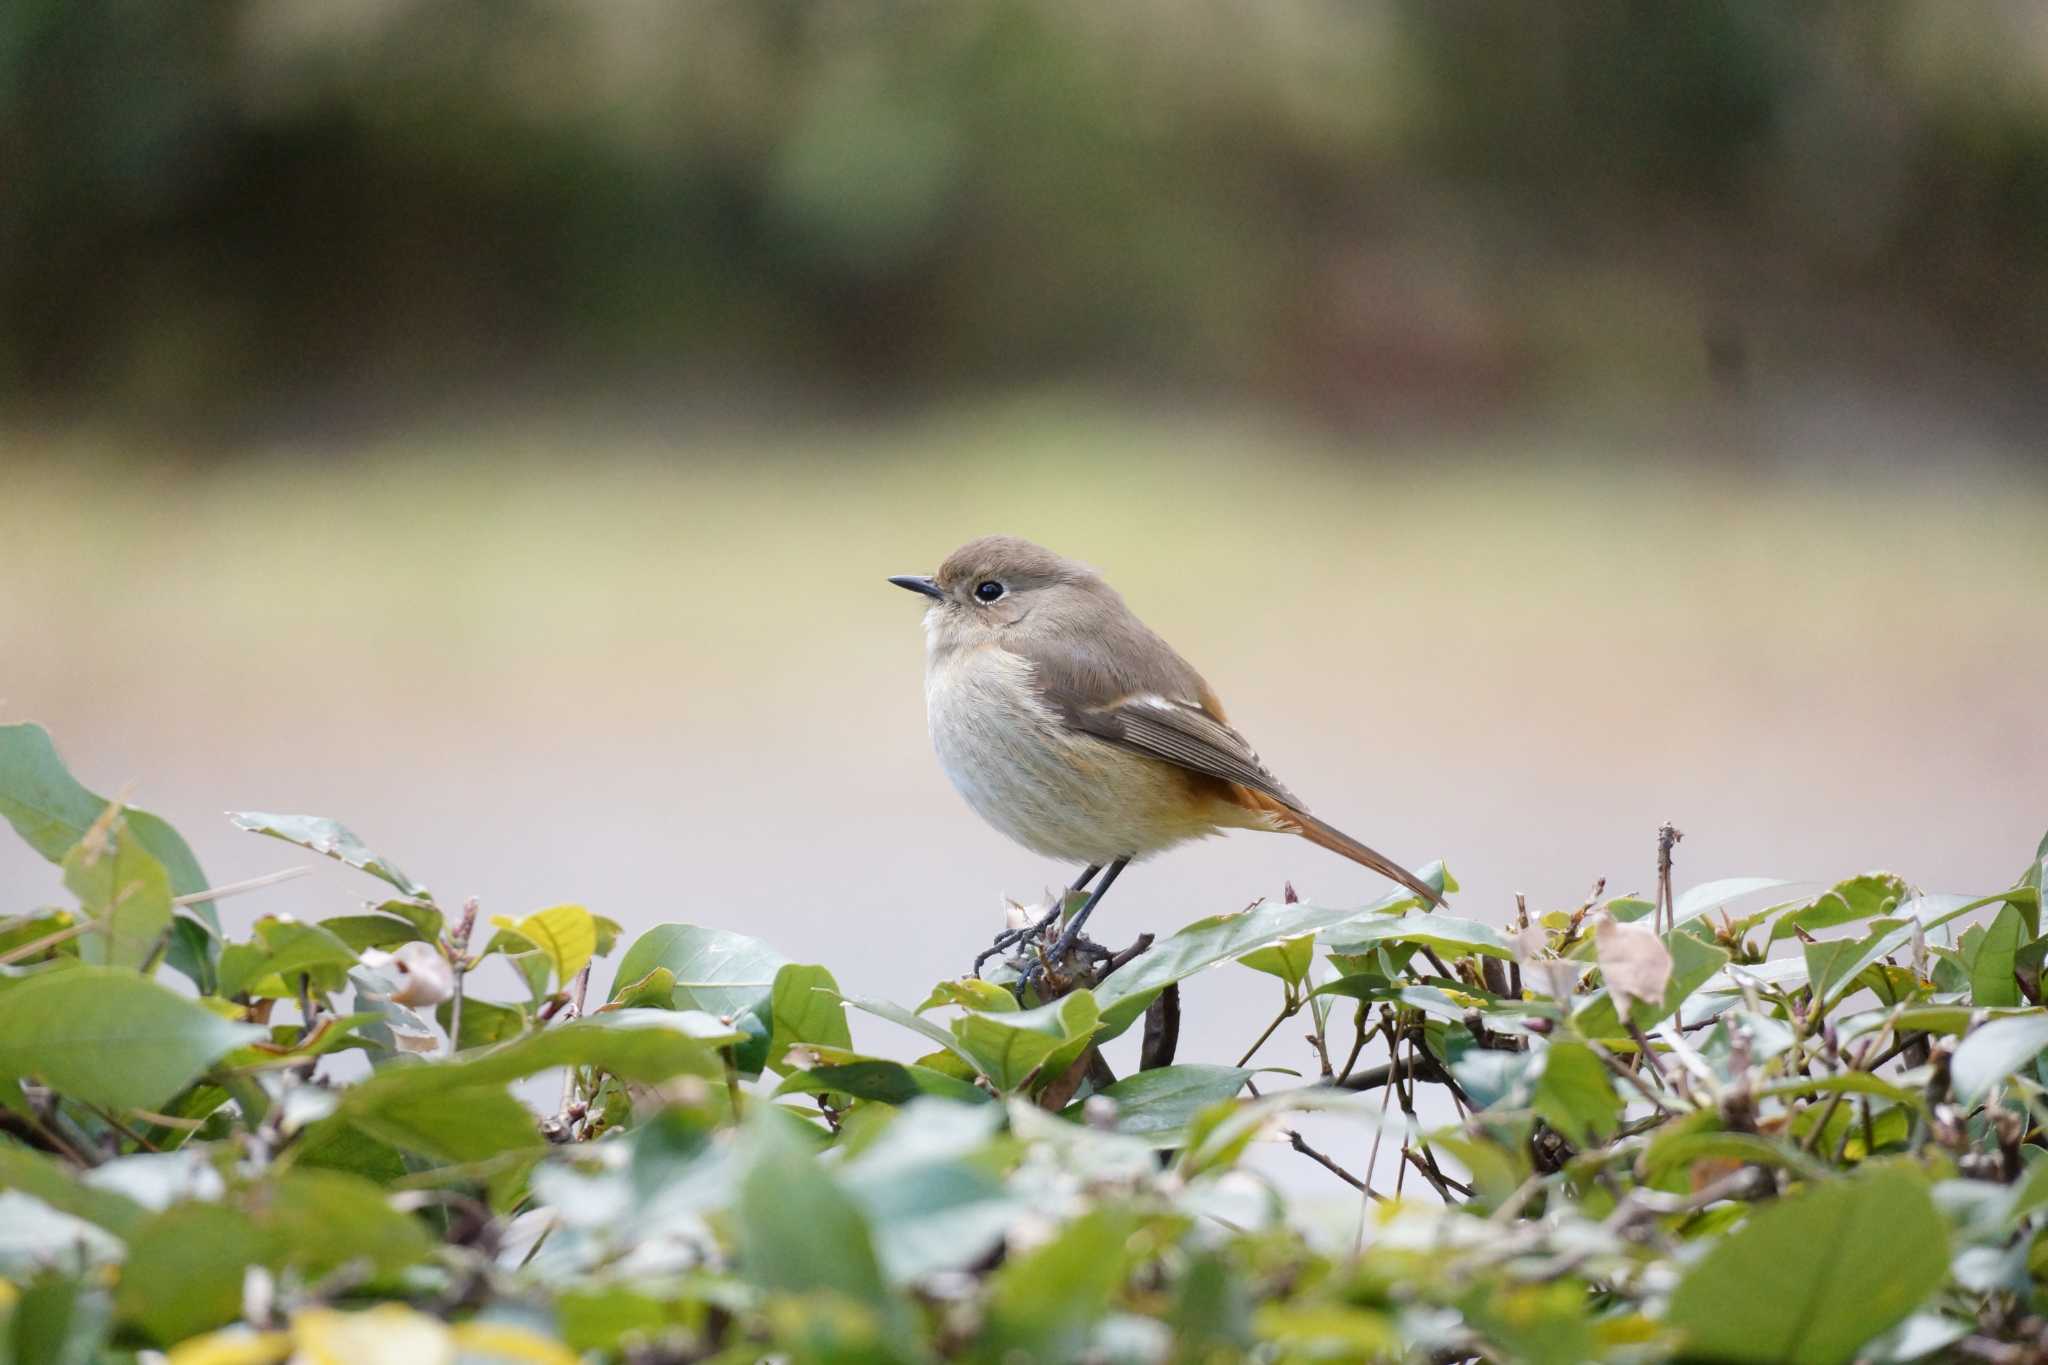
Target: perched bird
[{"x": 1075, "y": 730}]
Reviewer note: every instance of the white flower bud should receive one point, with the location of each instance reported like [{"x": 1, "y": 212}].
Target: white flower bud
[{"x": 424, "y": 976}]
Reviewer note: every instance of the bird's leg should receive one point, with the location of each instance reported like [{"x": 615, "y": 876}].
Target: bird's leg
[
  {"x": 1011, "y": 937},
  {"x": 1073, "y": 929}
]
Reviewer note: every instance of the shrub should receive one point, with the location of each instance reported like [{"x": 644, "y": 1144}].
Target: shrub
[{"x": 1659, "y": 1139}]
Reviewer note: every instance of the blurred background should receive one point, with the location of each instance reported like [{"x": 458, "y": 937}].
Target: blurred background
[{"x": 490, "y": 424}]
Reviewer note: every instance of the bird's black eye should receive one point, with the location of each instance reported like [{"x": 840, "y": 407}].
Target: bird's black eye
[{"x": 988, "y": 590}]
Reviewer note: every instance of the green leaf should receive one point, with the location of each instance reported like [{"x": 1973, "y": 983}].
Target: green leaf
[
  {"x": 1843, "y": 962},
  {"x": 1990, "y": 960},
  {"x": 654, "y": 991},
  {"x": 484, "y": 1021},
  {"x": 1043, "y": 1304},
  {"x": 1677, "y": 1146},
  {"x": 916, "y": 1023},
  {"x": 364, "y": 932},
  {"x": 565, "y": 934},
  {"x": 58, "y": 1320},
  {"x": 422, "y": 915},
  {"x": 931, "y": 1204},
  {"x": 1536, "y": 1324},
  {"x": 35, "y": 1174},
  {"x": 106, "y": 1036},
  {"x": 184, "y": 1270},
  {"x": 1165, "y": 1099},
  {"x": 648, "y": 1046},
  {"x": 971, "y": 992},
  {"x": 279, "y": 954},
  {"x": 1575, "y": 1094},
  {"x": 1864, "y": 897},
  {"x": 1288, "y": 959},
  {"x": 804, "y": 1007},
  {"x": 51, "y": 811},
  {"x": 1710, "y": 896},
  {"x": 1010, "y": 1048},
  {"x": 285, "y": 1046},
  {"x": 716, "y": 970},
  {"x": 319, "y": 1221},
  {"x": 1446, "y": 933},
  {"x": 330, "y": 839},
  {"x": 1844, "y": 1083},
  {"x": 1126, "y": 992},
  {"x": 474, "y": 1123},
  {"x": 836, "y": 1070},
  {"x": 124, "y": 890},
  {"x": 1693, "y": 964},
  {"x": 798, "y": 1230},
  {"x": 1985, "y": 1057},
  {"x": 1807, "y": 1280}
]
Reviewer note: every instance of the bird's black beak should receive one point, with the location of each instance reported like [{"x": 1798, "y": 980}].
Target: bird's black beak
[{"x": 918, "y": 583}]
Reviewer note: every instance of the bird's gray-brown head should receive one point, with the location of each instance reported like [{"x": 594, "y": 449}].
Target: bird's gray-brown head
[{"x": 992, "y": 586}]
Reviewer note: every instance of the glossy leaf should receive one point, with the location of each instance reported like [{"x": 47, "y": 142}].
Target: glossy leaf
[
  {"x": 330, "y": 839},
  {"x": 805, "y": 1007},
  {"x": 1447, "y": 934},
  {"x": 1693, "y": 964},
  {"x": 107, "y": 1036},
  {"x": 1990, "y": 960},
  {"x": 1165, "y": 1099},
  {"x": 838, "y": 1071},
  {"x": 1985, "y": 1058},
  {"x": 1809, "y": 1279},
  {"x": 279, "y": 953},
  {"x": 1575, "y": 1094},
  {"x": 124, "y": 891},
  {"x": 51, "y": 811},
  {"x": 1009, "y": 1048},
  {"x": 716, "y": 970},
  {"x": 363, "y": 932},
  {"x": 1866, "y": 897},
  {"x": 798, "y": 1230},
  {"x": 1288, "y": 959},
  {"x": 1126, "y": 992},
  {"x": 1710, "y": 896},
  {"x": 565, "y": 934}
]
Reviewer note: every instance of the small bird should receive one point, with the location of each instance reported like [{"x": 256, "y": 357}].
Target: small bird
[{"x": 1071, "y": 727}]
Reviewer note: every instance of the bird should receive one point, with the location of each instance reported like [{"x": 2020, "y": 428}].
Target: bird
[{"x": 1075, "y": 730}]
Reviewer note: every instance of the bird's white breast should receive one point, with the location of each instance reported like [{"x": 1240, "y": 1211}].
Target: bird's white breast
[{"x": 1062, "y": 794}]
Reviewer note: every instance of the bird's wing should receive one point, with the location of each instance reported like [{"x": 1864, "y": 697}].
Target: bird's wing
[
  {"x": 1181, "y": 732},
  {"x": 1168, "y": 713}
]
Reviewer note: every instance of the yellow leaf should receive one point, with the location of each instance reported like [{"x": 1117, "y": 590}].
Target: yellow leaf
[
  {"x": 565, "y": 933},
  {"x": 389, "y": 1334},
  {"x": 511, "y": 1343},
  {"x": 234, "y": 1346}
]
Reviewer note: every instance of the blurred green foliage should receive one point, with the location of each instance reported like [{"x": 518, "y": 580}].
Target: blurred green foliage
[
  {"x": 1661, "y": 1142},
  {"x": 216, "y": 207}
]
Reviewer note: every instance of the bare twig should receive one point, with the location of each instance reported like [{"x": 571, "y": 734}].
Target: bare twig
[
  {"x": 1644, "y": 1050},
  {"x": 1300, "y": 1144},
  {"x": 1357, "y": 1046},
  {"x": 1282, "y": 1017},
  {"x": 214, "y": 893},
  {"x": 575, "y": 1011},
  {"x": 457, "y": 949},
  {"x": 50, "y": 940},
  {"x": 1667, "y": 911},
  {"x": 1443, "y": 1184}
]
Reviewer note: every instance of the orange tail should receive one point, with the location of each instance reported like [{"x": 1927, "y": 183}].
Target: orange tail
[{"x": 1300, "y": 822}]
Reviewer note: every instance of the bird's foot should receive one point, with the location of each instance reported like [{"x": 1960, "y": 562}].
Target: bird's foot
[{"x": 1010, "y": 938}]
